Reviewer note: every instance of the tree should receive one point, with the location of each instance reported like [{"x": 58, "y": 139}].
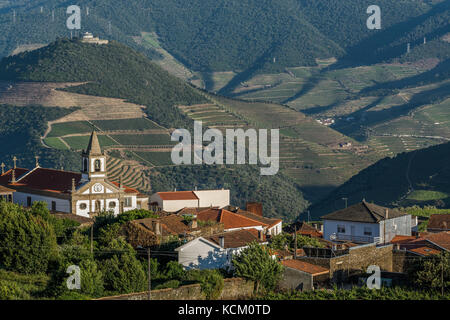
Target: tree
[
  {"x": 174, "y": 271},
  {"x": 256, "y": 264},
  {"x": 27, "y": 242},
  {"x": 123, "y": 273},
  {"x": 432, "y": 272}
]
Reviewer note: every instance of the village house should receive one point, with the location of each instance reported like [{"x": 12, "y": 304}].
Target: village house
[
  {"x": 241, "y": 219},
  {"x": 301, "y": 275},
  {"x": 174, "y": 201},
  {"x": 85, "y": 194},
  {"x": 366, "y": 223},
  {"x": 438, "y": 223},
  {"x": 216, "y": 251},
  {"x": 425, "y": 244}
]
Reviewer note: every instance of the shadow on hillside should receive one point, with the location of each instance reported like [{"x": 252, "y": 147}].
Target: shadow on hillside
[{"x": 378, "y": 48}]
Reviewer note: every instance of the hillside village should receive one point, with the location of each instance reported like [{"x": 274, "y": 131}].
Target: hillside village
[{"x": 202, "y": 230}]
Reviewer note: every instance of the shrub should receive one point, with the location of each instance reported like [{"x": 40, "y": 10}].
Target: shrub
[
  {"x": 27, "y": 241},
  {"x": 168, "y": 284},
  {"x": 174, "y": 270}
]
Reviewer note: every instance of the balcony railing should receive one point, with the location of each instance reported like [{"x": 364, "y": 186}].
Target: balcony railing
[{"x": 358, "y": 239}]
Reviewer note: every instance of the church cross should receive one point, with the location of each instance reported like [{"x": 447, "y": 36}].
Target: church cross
[{"x": 14, "y": 160}]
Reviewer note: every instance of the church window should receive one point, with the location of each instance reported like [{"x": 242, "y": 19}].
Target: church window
[
  {"x": 112, "y": 204},
  {"x": 128, "y": 202},
  {"x": 83, "y": 206},
  {"x": 97, "y": 165}
]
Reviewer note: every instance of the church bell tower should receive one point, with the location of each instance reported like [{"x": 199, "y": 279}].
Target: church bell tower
[{"x": 93, "y": 160}]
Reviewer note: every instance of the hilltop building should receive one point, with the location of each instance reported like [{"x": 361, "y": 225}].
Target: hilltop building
[
  {"x": 89, "y": 38},
  {"x": 84, "y": 194}
]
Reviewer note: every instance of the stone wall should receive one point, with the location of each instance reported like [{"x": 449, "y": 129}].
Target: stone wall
[
  {"x": 233, "y": 289},
  {"x": 356, "y": 261},
  {"x": 296, "y": 280}
]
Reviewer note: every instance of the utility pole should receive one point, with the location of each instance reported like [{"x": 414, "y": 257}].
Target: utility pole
[
  {"x": 92, "y": 239},
  {"x": 295, "y": 242},
  {"x": 345, "y": 199},
  {"x": 442, "y": 276},
  {"x": 149, "y": 275}
]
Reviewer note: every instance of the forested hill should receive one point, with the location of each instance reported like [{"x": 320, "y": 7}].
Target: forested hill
[
  {"x": 418, "y": 177},
  {"x": 239, "y": 35},
  {"x": 112, "y": 70}
]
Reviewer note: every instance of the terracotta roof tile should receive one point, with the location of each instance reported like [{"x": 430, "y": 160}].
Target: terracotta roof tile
[
  {"x": 441, "y": 239},
  {"x": 439, "y": 222},
  {"x": 305, "y": 267},
  {"x": 127, "y": 189},
  {"x": 48, "y": 180},
  {"x": 178, "y": 195},
  {"x": 236, "y": 239},
  {"x": 425, "y": 251}
]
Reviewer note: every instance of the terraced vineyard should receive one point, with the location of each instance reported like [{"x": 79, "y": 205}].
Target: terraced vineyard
[
  {"x": 310, "y": 153},
  {"x": 132, "y": 174}
]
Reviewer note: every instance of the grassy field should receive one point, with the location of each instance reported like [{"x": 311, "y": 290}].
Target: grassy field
[
  {"x": 55, "y": 143},
  {"x": 427, "y": 195},
  {"x": 65, "y": 128},
  {"x": 81, "y": 142},
  {"x": 126, "y": 124},
  {"x": 143, "y": 139}
]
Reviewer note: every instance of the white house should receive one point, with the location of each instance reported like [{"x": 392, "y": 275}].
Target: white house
[
  {"x": 84, "y": 194},
  {"x": 176, "y": 200},
  {"x": 366, "y": 223},
  {"x": 216, "y": 251}
]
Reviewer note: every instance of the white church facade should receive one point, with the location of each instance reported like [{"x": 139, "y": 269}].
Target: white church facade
[{"x": 85, "y": 194}]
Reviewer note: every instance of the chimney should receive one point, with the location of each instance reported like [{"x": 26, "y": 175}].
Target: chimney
[
  {"x": 261, "y": 235},
  {"x": 222, "y": 241},
  {"x": 387, "y": 214},
  {"x": 193, "y": 224},
  {"x": 255, "y": 208},
  {"x": 157, "y": 228}
]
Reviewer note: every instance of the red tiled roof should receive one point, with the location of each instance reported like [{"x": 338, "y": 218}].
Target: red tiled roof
[
  {"x": 6, "y": 177},
  {"x": 402, "y": 239},
  {"x": 178, "y": 195},
  {"x": 425, "y": 251},
  {"x": 439, "y": 222},
  {"x": 126, "y": 189},
  {"x": 305, "y": 267},
  {"x": 441, "y": 239},
  {"x": 209, "y": 215},
  {"x": 48, "y": 180},
  {"x": 236, "y": 239},
  {"x": 232, "y": 220}
]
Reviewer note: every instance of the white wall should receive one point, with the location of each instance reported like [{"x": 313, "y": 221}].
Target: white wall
[
  {"x": 61, "y": 204},
  {"x": 200, "y": 254},
  {"x": 276, "y": 229},
  {"x": 173, "y": 205},
  {"x": 214, "y": 198},
  {"x": 330, "y": 227}
]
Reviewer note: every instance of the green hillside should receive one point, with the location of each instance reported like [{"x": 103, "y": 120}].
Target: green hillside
[
  {"x": 112, "y": 70},
  {"x": 415, "y": 178},
  {"x": 243, "y": 36}
]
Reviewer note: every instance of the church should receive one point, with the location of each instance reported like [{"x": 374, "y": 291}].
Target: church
[{"x": 85, "y": 194}]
